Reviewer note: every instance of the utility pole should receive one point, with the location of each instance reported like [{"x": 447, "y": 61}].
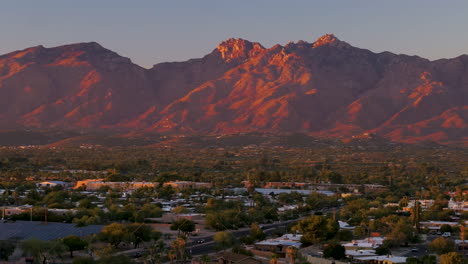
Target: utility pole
[
  {"x": 45, "y": 215},
  {"x": 462, "y": 237},
  {"x": 31, "y": 213}
]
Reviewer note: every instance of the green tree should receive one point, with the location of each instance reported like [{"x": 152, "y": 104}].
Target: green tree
[
  {"x": 335, "y": 251},
  {"x": 40, "y": 250},
  {"x": 6, "y": 249},
  {"x": 451, "y": 258},
  {"x": 445, "y": 228},
  {"x": 74, "y": 243},
  {"x": 84, "y": 260},
  {"x": 205, "y": 259},
  {"x": 138, "y": 233},
  {"x": 402, "y": 232},
  {"x": 413, "y": 260},
  {"x": 428, "y": 259},
  {"x": 442, "y": 245},
  {"x": 345, "y": 235},
  {"x": 180, "y": 210},
  {"x": 224, "y": 239},
  {"x": 183, "y": 225},
  {"x": 316, "y": 228},
  {"x": 121, "y": 259},
  {"x": 114, "y": 234},
  {"x": 256, "y": 232},
  {"x": 382, "y": 250},
  {"x": 360, "y": 231}
]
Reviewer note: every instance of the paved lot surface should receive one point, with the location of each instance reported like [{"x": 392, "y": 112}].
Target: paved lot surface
[{"x": 21, "y": 230}]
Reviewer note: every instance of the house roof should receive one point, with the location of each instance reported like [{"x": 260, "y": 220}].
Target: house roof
[
  {"x": 391, "y": 259},
  {"x": 361, "y": 253},
  {"x": 278, "y": 242},
  {"x": 238, "y": 258},
  {"x": 55, "y": 182}
]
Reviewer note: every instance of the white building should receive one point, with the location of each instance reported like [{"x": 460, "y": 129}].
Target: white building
[
  {"x": 461, "y": 206},
  {"x": 51, "y": 184},
  {"x": 367, "y": 243},
  {"x": 425, "y": 204},
  {"x": 345, "y": 226},
  {"x": 382, "y": 259},
  {"x": 356, "y": 253}
]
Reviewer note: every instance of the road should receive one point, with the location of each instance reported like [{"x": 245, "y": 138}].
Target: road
[
  {"x": 209, "y": 245},
  {"x": 421, "y": 249}
]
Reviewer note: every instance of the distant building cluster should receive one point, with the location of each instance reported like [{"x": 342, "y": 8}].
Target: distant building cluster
[
  {"x": 425, "y": 205},
  {"x": 188, "y": 185},
  {"x": 460, "y": 206},
  {"x": 8, "y": 211},
  {"x": 93, "y": 185},
  {"x": 46, "y": 184},
  {"x": 319, "y": 186}
]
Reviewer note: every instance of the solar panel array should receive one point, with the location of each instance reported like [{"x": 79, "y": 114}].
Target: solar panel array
[{"x": 22, "y": 230}]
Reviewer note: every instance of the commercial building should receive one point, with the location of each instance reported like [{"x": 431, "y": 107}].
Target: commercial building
[
  {"x": 51, "y": 184},
  {"x": 188, "y": 184},
  {"x": 93, "y": 185},
  {"x": 279, "y": 245},
  {"x": 367, "y": 243},
  {"x": 381, "y": 259}
]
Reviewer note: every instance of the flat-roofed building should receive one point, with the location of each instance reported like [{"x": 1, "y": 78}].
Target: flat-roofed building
[
  {"x": 51, "y": 184},
  {"x": 233, "y": 258},
  {"x": 15, "y": 210},
  {"x": 188, "y": 184},
  {"x": 381, "y": 259},
  {"x": 93, "y": 185},
  {"x": 286, "y": 184},
  {"x": 279, "y": 245},
  {"x": 436, "y": 225},
  {"x": 459, "y": 206},
  {"x": 367, "y": 243}
]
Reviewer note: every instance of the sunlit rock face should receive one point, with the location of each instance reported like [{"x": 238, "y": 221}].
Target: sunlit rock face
[
  {"x": 324, "y": 40},
  {"x": 239, "y": 49},
  {"x": 326, "y": 88}
]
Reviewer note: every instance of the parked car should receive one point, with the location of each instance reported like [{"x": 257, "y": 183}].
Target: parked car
[
  {"x": 200, "y": 241},
  {"x": 446, "y": 234}
]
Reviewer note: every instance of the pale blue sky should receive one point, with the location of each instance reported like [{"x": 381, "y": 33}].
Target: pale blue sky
[{"x": 152, "y": 31}]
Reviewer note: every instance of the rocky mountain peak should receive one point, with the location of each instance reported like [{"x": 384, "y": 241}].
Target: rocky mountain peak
[
  {"x": 329, "y": 40},
  {"x": 325, "y": 88},
  {"x": 324, "y": 40},
  {"x": 238, "y": 49}
]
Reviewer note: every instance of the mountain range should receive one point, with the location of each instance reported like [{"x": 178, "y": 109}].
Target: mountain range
[{"x": 327, "y": 88}]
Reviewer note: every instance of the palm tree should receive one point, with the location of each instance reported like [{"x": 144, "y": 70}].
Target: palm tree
[
  {"x": 274, "y": 259},
  {"x": 416, "y": 215},
  {"x": 178, "y": 247},
  {"x": 205, "y": 259},
  {"x": 291, "y": 252},
  {"x": 171, "y": 255}
]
